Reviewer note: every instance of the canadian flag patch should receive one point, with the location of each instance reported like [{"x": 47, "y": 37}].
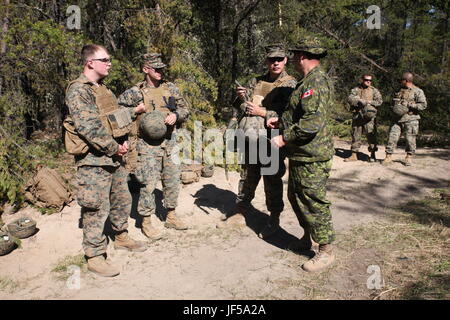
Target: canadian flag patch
[{"x": 307, "y": 93}]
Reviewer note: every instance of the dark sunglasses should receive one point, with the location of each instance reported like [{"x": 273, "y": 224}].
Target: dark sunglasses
[
  {"x": 278, "y": 59},
  {"x": 368, "y": 80},
  {"x": 104, "y": 60}
]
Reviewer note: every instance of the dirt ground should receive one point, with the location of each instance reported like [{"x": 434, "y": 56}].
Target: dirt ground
[{"x": 213, "y": 260}]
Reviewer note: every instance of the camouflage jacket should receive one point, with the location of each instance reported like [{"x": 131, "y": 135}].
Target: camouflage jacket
[
  {"x": 133, "y": 96},
  {"x": 414, "y": 98},
  {"x": 80, "y": 100},
  {"x": 281, "y": 94},
  {"x": 359, "y": 92},
  {"x": 305, "y": 123}
]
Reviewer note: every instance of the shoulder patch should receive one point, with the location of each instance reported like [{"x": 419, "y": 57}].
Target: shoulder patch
[{"x": 307, "y": 93}]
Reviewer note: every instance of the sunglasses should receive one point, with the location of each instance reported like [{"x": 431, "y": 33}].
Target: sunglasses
[
  {"x": 104, "y": 60},
  {"x": 278, "y": 59},
  {"x": 370, "y": 80}
]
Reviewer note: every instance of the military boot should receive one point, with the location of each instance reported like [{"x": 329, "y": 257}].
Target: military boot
[
  {"x": 100, "y": 266},
  {"x": 149, "y": 230},
  {"x": 323, "y": 258},
  {"x": 373, "y": 157},
  {"x": 353, "y": 157},
  {"x": 125, "y": 242},
  {"x": 172, "y": 221},
  {"x": 388, "y": 159},
  {"x": 272, "y": 226},
  {"x": 408, "y": 160}
]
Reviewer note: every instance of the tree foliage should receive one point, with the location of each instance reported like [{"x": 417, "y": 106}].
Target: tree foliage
[{"x": 208, "y": 45}]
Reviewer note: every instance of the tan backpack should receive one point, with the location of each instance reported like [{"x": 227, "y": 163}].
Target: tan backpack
[{"x": 46, "y": 189}]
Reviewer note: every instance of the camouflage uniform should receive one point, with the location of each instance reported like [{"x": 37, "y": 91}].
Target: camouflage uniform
[
  {"x": 154, "y": 161},
  {"x": 309, "y": 146},
  {"x": 359, "y": 124},
  {"x": 102, "y": 186},
  {"x": 274, "y": 103},
  {"x": 414, "y": 98}
]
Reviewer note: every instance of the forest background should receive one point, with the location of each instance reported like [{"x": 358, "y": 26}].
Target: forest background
[{"x": 208, "y": 45}]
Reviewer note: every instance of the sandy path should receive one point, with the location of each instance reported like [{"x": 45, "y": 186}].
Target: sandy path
[{"x": 211, "y": 260}]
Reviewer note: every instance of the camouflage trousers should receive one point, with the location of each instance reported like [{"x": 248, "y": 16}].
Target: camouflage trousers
[
  {"x": 307, "y": 195},
  {"x": 102, "y": 194},
  {"x": 410, "y": 128},
  {"x": 360, "y": 127},
  {"x": 273, "y": 186},
  {"x": 160, "y": 167}
]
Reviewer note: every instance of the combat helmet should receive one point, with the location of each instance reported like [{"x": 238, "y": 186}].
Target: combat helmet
[
  {"x": 22, "y": 228},
  {"x": 6, "y": 243},
  {"x": 152, "y": 125},
  {"x": 369, "y": 112},
  {"x": 400, "y": 109}
]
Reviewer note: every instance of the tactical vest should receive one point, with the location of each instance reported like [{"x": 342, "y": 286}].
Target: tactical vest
[
  {"x": 406, "y": 95},
  {"x": 261, "y": 96},
  {"x": 366, "y": 94}
]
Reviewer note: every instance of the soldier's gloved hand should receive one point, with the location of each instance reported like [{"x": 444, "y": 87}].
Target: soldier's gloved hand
[{"x": 232, "y": 124}]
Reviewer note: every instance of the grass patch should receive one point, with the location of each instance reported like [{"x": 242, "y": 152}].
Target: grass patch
[
  {"x": 411, "y": 247},
  {"x": 62, "y": 266},
  {"x": 8, "y": 284}
]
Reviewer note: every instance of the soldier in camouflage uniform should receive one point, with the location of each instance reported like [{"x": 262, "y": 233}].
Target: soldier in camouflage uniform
[
  {"x": 154, "y": 160},
  {"x": 364, "y": 101},
  {"x": 102, "y": 179},
  {"x": 408, "y": 102},
  {"x": 269, "y": 95},
  {"x": 309, "y": 146}
]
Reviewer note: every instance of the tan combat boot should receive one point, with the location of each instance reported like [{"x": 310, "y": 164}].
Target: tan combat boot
[
  {"x": 353, "y": 157},
  {"x": 408, "y": 160},
  {"x": 100, "y": 266},
  {"x": 272, "y": 226},
  {"x": 321, "y": 260},
  {"x": 388, "y": 159},
  {"x": 149, "y": 230},
  {"x": 172, "y": 221},
  {"x": 125, "y": 242}
]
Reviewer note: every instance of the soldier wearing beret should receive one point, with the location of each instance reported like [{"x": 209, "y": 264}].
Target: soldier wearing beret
[
  {"x": 151, "y": 159},
  {"x": 308, "y": 142}
]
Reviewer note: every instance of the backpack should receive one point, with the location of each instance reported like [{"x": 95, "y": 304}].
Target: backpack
[{"x": 47, "y": 189}]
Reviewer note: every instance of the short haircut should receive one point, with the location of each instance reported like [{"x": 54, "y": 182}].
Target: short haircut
[
  {"x": 366, "y": 75},
  {"x": 408, "y": 76},
  {"x": 89, "y": 50}
]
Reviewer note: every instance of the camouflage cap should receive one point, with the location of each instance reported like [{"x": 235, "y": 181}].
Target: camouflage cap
[
  {"x": 153, "y": 60},
  {"x": 275, "y": 50},
  {"x": 311, "y": 45}
]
